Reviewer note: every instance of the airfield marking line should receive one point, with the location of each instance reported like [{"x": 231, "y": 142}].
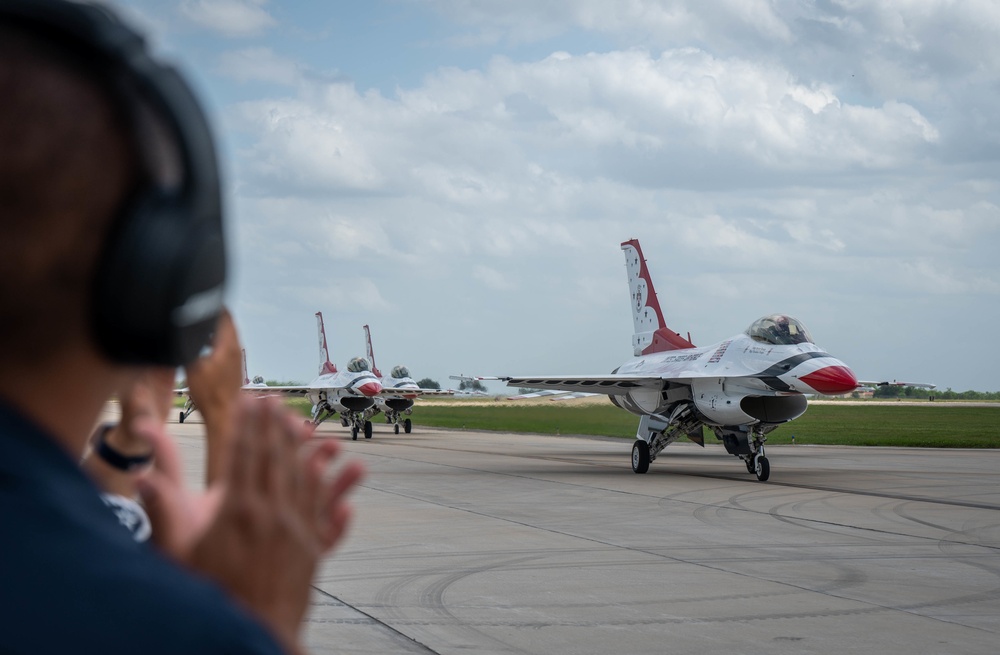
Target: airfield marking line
[
  {"x": 376, "y": 620},
  {"x": 871, "y": 605},
  {"x": 717, "y": 476},
  {"x": 690, "y": 502},
  {"x": 874, "y": 494}
]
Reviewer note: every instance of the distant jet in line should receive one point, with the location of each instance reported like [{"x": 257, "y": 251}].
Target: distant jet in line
[
  {"x": 349, "y": 393},
  {"x": 398, "y": 392},
  {"x": 189, "y": 406}
]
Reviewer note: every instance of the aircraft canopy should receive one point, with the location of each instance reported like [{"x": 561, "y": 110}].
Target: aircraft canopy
[
  {"x": 779, "y": 330},
  {"x": 358, "y": 365},
  {"x": 399, "y": 372}
]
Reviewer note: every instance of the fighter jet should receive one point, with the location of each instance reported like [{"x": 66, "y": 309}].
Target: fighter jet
[
  {"x": 741, "y": 388},
  {"x": 398, "y": 392},
  {"x": 349, "y": 393},
  {"x": 254, "y": 387}
]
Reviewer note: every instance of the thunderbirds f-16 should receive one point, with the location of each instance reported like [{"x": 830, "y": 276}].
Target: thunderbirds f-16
[
  {"x": 741, "y": 388},
  {"x": 398, "y": 392},
  {"x": 349, "y": 393},
  {"x": 189, "y": 406}
]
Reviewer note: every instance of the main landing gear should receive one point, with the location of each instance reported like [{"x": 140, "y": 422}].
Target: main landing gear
[
  {"x": 360, "y": 424},
  {"x": 392, "y": 416},
  {"x": 656, "y": 432},
  {"x": 187, "y": 411},
  {"x": 640, "y": 456}
]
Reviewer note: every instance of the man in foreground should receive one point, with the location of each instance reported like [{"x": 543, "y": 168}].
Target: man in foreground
[{"x": 112, "y": 265}]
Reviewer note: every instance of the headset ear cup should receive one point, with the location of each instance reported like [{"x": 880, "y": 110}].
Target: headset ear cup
[{"x": 157, "y": 290}]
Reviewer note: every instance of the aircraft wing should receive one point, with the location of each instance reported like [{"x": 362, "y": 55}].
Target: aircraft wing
[
  {"x": 553, "y": 395},
  {"x": 612, "y": 384},
  {"x": 278, "y": 391},
  {"x": 392, "y": 391},
  {"x": 894, "y": 383}
]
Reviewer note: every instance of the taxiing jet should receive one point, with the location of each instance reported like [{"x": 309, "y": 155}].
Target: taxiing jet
[
  {"x": 741, "y": 388},
  {"x": 350, "y": 393},
  {"x": 398, "y": 392},
  {"x": 189, "y": 406}
]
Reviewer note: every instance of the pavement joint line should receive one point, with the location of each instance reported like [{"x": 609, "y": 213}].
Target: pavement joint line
[{"x": 377, "y": 621}]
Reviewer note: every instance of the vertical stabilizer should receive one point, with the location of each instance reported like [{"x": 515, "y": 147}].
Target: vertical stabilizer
[
  {"x": 246, "y": 380},
  {"x": 651, "y": 332},
  {"x": 371, "y": 352},
  {"x": 325, "y": 365}
]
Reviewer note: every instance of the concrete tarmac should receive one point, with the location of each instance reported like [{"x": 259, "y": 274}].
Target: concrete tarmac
[{"x": 475, "y": 542}]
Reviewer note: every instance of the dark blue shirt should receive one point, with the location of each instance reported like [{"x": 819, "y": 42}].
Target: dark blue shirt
[{"x": 72, "y": 579}]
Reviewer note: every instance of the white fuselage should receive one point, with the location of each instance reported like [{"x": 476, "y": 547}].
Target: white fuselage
[
  {"x": 345, "y": 391},
  {"x": 400, "y": 401},
  {"x": 720, "y": 379}
]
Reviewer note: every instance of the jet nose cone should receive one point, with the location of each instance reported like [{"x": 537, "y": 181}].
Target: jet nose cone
[
  {"x": 370, "y": 388},
  {"x": 831, "y": 380}
]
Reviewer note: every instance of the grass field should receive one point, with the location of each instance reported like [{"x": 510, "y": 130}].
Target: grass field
[
  {"x": 862, "y": 424},
  {"x": 937, "y": 425}
]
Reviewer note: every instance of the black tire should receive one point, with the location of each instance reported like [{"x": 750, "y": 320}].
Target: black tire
[
  {"x": 343, "y": 422},
  {"x": 407, "y": 426},
  {"x": 354, "y": 434},
  {"x": 368, "y": 429},
  {"x": 762, "y": 468},
  {"x": 640, "y": 456},
  {"x": 181, "y": 418},
  {"x": 396, "y": 428}
]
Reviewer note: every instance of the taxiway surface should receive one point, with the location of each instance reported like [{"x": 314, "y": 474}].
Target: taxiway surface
[{"x": 474, "y": 542}]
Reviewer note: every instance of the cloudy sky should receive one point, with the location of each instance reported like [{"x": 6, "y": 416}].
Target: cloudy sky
[{"x": 459, "y": 174}]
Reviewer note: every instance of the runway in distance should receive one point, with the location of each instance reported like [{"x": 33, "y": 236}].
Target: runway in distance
[
  {"x": 741, "y": 388},
  {"x": 398, "y": 392}
]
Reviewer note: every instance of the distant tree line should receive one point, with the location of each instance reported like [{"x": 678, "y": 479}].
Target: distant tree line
[
  {"x": 893, "y": 391},
  {"x": 428, "y": 383},
  {"x": 471, "y": 385}
]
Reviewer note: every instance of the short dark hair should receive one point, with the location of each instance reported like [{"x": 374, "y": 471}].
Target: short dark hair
[{"x": 67, "y": 168}]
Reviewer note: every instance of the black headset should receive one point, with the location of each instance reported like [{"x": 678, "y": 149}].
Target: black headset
[{"x": 159, "y": 285}]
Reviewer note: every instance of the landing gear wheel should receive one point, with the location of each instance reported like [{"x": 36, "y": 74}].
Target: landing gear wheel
[
  {"x": 354, "y": 433},
  {"x": 395, "y": 428},
  {"x": 181, "y": 419},
  {"x": 750, "y": 465},
  {"x": 407, "y": 426},
  {"x": 762, "y": 469},
  {"x": 368, "y": 429},
  {"x": 640, "y": 456},
  {"x": 343, "y": 422}
]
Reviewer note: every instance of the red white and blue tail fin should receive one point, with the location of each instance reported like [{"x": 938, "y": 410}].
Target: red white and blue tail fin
[
  {"x": 651, "y": 332},
  {"x": 325, "y": 365},
  {"x": 371, "y": 352}
]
